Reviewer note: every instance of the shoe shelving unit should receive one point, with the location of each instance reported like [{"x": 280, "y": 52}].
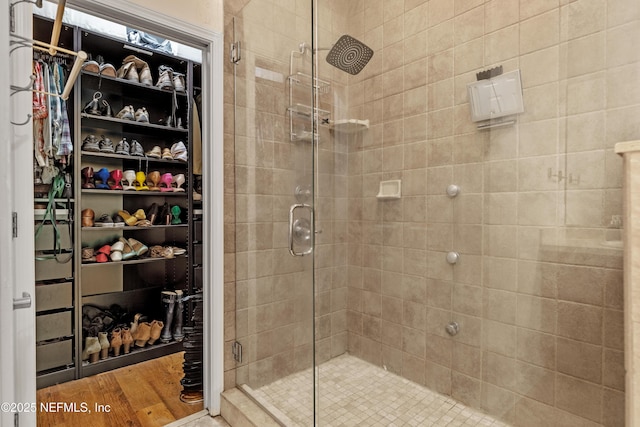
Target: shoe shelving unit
[{"x": 135, "y": 284}]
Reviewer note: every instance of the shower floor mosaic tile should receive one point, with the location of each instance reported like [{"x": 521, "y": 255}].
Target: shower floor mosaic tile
[{"x": 356, "y": 393}]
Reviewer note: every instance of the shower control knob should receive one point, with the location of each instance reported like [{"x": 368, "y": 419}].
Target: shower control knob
[
  {"x": 453, "y": 257},
  {"x": 453, "y": 190},
  {"x": 452, "y": 328}
]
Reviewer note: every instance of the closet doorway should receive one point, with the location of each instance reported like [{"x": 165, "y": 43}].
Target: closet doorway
[{"x": 210, "y": 45}]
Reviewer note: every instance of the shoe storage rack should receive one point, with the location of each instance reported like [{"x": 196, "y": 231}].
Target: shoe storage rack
[{"x": 123, "y": 192}]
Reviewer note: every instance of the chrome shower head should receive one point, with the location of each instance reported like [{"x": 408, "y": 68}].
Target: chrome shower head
[{"x": 349, "y": 54}]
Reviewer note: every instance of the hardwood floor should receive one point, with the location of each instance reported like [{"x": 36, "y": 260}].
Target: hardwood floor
[{"x": 146, "y": 394}]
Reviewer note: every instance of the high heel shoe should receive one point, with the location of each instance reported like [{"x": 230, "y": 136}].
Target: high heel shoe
[
  {"x": 87, "y": 177},
  {"x": 179, "y": 181},
  {"x": 152, "y": 213},
  {"x": 104, "y": 344},
  {"x": 153, "y": 181},
  {"x": 129, "y": 176},
  {"x": 156, "y": 329},
  {"x": 116, "y": 341},
  {"x": 165, "y": 182},
  {"x": 100, "y": 178},
  {"x": 91, "y": 350},
  {"x": 165, "y": 215},
  {"x": 127, "y": 340},
  {"x": 141, "y": 179},
  {"x": 143, "y": 334},
  {"x": 175, "y": 215},
  {"x": 128, "y": 218},
  {"x": 115, "y": 179}
]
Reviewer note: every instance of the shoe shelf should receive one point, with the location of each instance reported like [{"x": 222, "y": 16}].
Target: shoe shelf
[
  {"x": 131, "y": 83},
  {"x": 134, "y": 228},
  {"x": 132, "y": 261},
  {"x": 136, "y": 355},
  {"x": 144, "y": 193},
  {"x": 133, "y": 123},
  {"x": 129, "y": 157}
]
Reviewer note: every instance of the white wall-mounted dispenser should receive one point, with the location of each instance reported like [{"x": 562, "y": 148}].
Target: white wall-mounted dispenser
[{"x": 496, "y": 97}]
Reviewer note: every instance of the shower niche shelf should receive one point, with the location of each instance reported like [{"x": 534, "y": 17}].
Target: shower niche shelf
[
  {"x": 349, "y": 126},
  {"x": 306, "y": 80}
]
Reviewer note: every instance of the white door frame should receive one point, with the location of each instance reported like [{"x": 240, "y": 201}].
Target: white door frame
[{"x": 211, "y": 44}]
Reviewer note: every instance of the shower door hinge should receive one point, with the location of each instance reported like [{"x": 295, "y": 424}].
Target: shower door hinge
[
  {"x": 16, "y": 420},
  {"x": 234, "y": 53},
  {"x": 14, "y": 224},
  {"x": 236, "y": 349}
]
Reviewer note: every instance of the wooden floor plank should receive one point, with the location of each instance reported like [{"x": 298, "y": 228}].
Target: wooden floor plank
[{"x": 143, "y": 395}]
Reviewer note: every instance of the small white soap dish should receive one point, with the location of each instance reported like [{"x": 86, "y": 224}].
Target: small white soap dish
[{"x": 390, "y": 189}]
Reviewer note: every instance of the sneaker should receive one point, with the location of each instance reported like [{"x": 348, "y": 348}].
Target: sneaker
[
  {"x": 90, "y": 143},
  {"x": 106, "y": 146},
  {"x": 104, "y": 221},
  {"x": 178, "y": 82},
  {"x": 123, "y": 147},
  {"x": 142, "y": 115},
  {"x": 136, "y": 149},
  {"x": 165, "y": 80},
  {"x": 179, "y": 151},
  {"x": 126, "y": 113}
]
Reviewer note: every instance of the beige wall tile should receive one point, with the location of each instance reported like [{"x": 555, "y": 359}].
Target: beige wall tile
[
  {"x": 580, "y": 360},
  {"x": 499, "y": 402},
  {"x": 580, "y": 322},
  {"x": 502, "y": 45},
  {"x": 499, "y": 370},
  {"x": 439, "y": 11},
  {"x": 499, "y": 338},
  {"x": 579, "y": 397},
  {"x": 466, "y": 360},
  {"x": 539, "y": 32},
  {"x": 468, "y": 25},
  {"x": 535, "y": 382},
  {"x": 613, "y": 369},
  {"x": 582, "y": 17},
  {"x": 500, "y": 13},
  {"x": 465, "y": 389},
  {"x": 537, "y": 313},
  {"x": 583, "y": 56}
]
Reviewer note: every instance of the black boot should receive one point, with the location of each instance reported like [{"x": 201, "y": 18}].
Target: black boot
[
  {"x": 169, "y": 300},
  {"x": 178, "y": 335}
]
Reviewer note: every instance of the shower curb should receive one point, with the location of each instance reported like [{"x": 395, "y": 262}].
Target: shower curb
[{"x": 241, "y": 411}]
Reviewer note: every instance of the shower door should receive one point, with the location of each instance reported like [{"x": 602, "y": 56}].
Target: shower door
[{"x": 270, "y": 149}]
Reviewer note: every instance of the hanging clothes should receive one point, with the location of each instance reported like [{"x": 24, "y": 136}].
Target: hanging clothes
[
  {"x": 60, "y": 130},
  {"x": 40, "y": 113}
]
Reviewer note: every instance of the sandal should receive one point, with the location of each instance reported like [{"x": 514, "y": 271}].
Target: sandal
[
  {"x": 102, "y": 255},
  {"x": 128, "y": 218},
  {"x": 138, "y": 247},
  {"x": 166, "y": 154},
  {"x": 101, "y": 177},
  {"x": 130, "y": 177},
  {"x": 165, "y": 182},
  {"x": 116, "y": 251},
  {"x": 140, "y": 183},
  {"x": 87, "y": 176},
  {"x": 127, "y": 251},
  {"x": 179, "y": 181},
  {"x": 115, "y": 180},
  {"x": 155, "y": 152},
  {"x": 153, "y": 181}
]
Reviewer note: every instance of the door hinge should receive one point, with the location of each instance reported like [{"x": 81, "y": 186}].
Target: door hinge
[
  {"x": 14, "y": 224},
  {"x": 236, "y": 349},
  {"x": 16, "y": 420},
  {"x": 234, "y": 53}
]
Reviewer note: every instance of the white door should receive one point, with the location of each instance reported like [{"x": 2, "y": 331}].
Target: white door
[{"x": 17, "y": 325}]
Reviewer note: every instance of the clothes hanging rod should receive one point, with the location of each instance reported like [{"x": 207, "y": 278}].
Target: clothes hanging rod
[
  {"x": 81, "y": 56},
  {"x": 57, "y": 26}
]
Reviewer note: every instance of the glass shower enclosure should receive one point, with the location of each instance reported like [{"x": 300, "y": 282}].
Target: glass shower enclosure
[{"x": 382, "y": 245}]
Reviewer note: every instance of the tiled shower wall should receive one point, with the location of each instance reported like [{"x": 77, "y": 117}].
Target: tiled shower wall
[
  {"x": 538, "y": 289},
  {"x": 537, "y": 293}
]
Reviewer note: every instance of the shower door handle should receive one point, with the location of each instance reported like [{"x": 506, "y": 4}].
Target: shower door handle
[{"x": 300, "y": 230}]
